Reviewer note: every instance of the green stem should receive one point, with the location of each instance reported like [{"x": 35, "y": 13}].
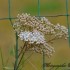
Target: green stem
[
  {"x": 68, "y": 20},
  {"x": 38, "y": 7},
  {"x": 43, "y": 60},
  {"x": 16, "y": 55},
  {"x": 26, "y": 60},
  {"x": 23, "y": 52},
  {"x": 9, "y": 8},
  {"x": 2, "y": 59}
]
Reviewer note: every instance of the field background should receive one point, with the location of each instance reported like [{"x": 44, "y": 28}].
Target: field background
[{"x": 7, "y": 35}]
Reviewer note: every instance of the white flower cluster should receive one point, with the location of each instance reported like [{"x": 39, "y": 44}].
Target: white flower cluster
[
  {"x": 32, "y": 37},
  {"x": 41, "y": 24},
  {"x": 37, "y": 38},
  {"x": 33, "y": 30},
  {"x": 62, "y": 31}
]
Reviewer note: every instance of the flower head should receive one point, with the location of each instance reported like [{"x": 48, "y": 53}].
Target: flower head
[{"x": 32, "y": 29}]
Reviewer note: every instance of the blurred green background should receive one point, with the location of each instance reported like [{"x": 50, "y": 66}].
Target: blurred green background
[{"x": 7, "y": 34}]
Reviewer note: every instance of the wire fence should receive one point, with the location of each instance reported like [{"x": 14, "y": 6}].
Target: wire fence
[{"x": 39, "y": 7}]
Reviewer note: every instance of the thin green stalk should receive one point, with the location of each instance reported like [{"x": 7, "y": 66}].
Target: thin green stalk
[
  {"x": 68, "y": 20},
  {"x": 24, "y": 50},
  {"x": 2, "y": 59},
  {"x": 21, "y": 51},
  {"x": 43, "y": 60},
  {"x": 38, "y": 7},
  {"x": 43, "y": 48},
  {"x": 9, "y": 12},
  {"x": 20, "y": 61},
  {"x": 26, "y": 60},
  {"x": 9, "y": 8},
  {"x": 16, "y": 53}
]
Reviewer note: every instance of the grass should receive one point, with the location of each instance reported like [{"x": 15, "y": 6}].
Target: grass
[{"x": 2, "y": 59}]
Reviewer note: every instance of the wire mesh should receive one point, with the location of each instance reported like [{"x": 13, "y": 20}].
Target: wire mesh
[{"x": 38, "y": 11}]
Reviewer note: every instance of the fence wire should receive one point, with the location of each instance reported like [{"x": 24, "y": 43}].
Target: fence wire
[{"x": 39, "y": 6}]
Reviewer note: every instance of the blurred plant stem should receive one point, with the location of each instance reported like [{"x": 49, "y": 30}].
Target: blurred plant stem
[
  {"x": 2, "y": 59},
  {"x": 16, "y": 53},
  {"x": 22, "y": 52}
]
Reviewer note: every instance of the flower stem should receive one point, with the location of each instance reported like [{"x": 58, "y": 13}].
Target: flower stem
[
  {"x": 22, "y": 52},
  {"x": 16, "y": 55},
  {"x": 2, "y": 60},
  {"x": 43, "y": 60}
]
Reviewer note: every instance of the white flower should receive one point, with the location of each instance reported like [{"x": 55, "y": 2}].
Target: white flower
[
  {"x": 31, "y": 29},
  {"x": 44, "y": 19},
  {"x": 24, "y": 35},
  {"x": 32, "y": 37},
  {"x": 37, "y": 38}
]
